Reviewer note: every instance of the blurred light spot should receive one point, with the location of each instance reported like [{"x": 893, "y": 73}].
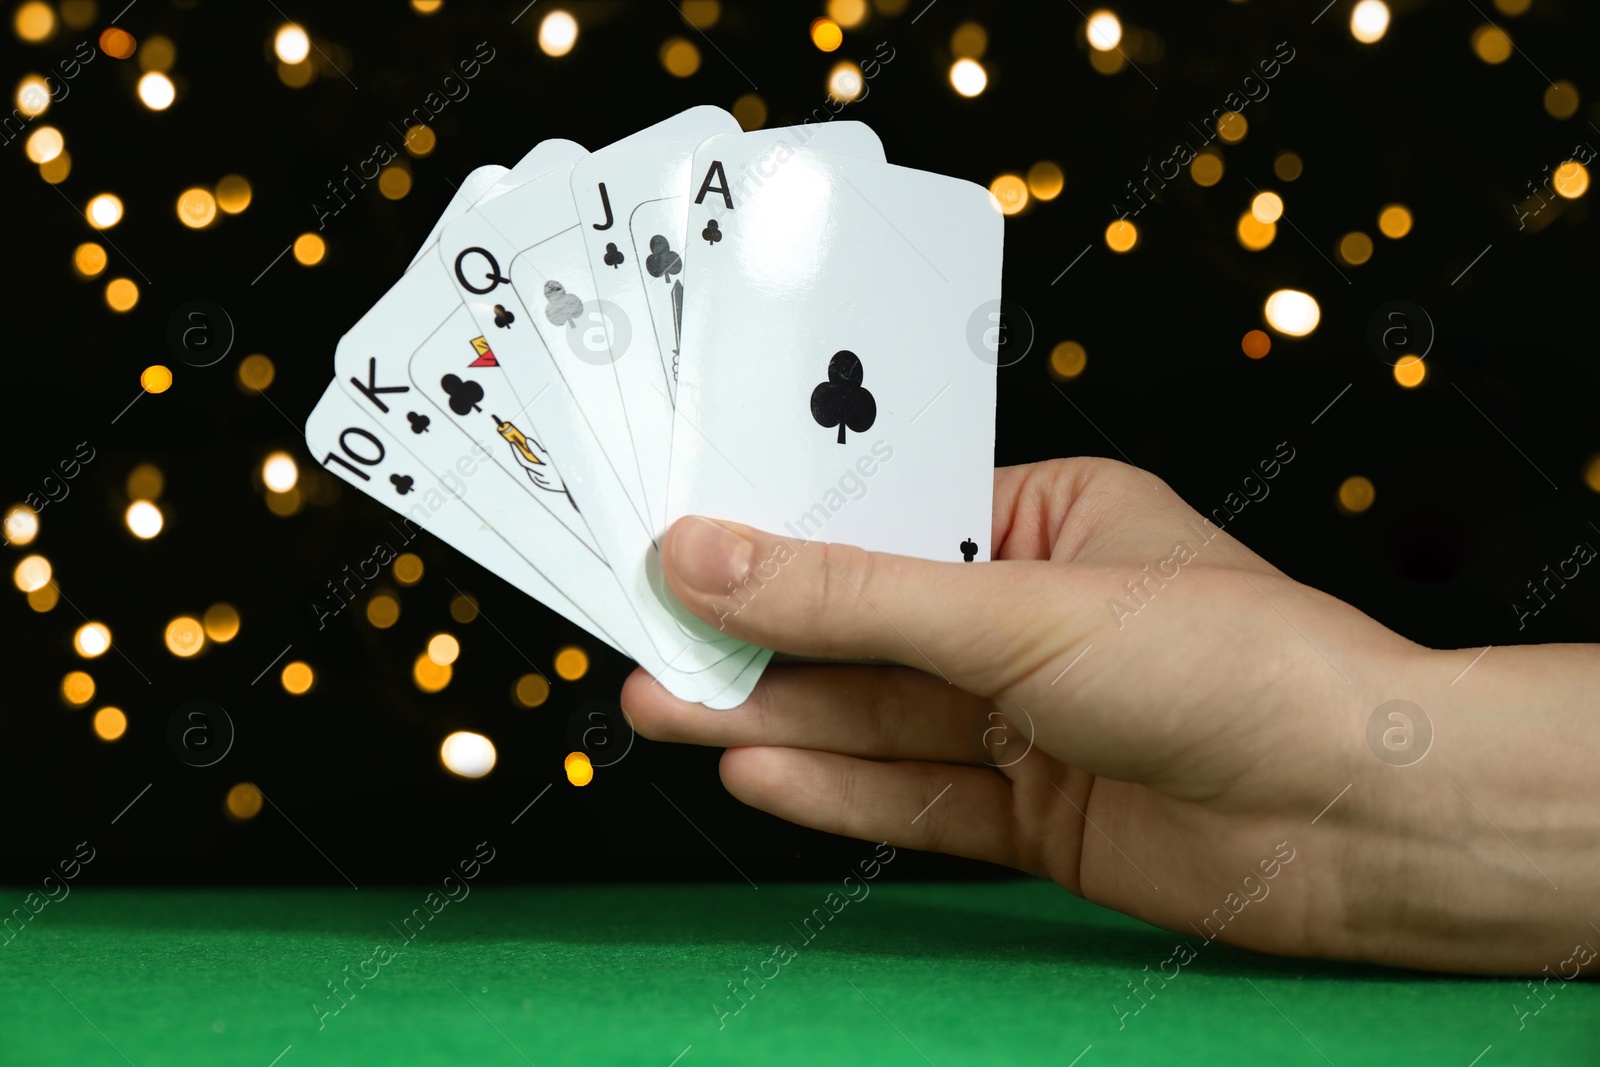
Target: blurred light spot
[
  {"x": 1292, "y": 313},
  {"x": 1394, "y": 221},
  {"x": 467, "y": 755},
  {"x": 55, "y": 172},
  {"x": 185, "y": 636},
  {"x": 1256, "y": 344},
  {"x": 1011, "y": 192},
  {"x": 891, "y": 8},
  {"x": 284, "y": 505},
  {"x": 1267, "y": 207},
  {"x": 701, "y": 14},
  {"x": 158, "y": 53},
  {"x": 1561, "y": 100},
  {"x": 104, "y": 211},
  {"x": 44, "y": 144},
  {"x": 157, "y": 91},
  {"x": 1512, "y": 7},
  {"x": 968, "y": 77},
  {"x": 92, "y": 639},
  {"x": 1121, "y": 236},
  {"x": 558, "y": 32},
  {"x": 408, "y": 568},
  {"x": 383, "y": 611},
  {"x": 826, "y": 34},
  {"x": 421, "y": 141},
  {"x": 297, "y": 678},
  {"x": 1287, "y": 166},
  {"x": 256, "y": 372},
  {"x": 31, "y": 572},
  {"x": 279, "y": 472},
  {"x": 233, "y": 194},
  {"x": 1068, "y": 359},
  {"x": 121, "y": 294},
  {"x": 580, "y": 771},
  {"x": 117, "y": 42},
  {"x": 1491, "y": 44},
  {"x": 680, "y": 57},
  {"x": 221, "y": 622},
  {"x": 154, "y": 378},
  {"x": 309, "y": 249},
  {"x": 244, "y": 801},
  {"x": 1409, "y": 371},
  {"x": 1591, "y": 474},
  {"x": 35, "y": 22},
  {"x": 845, "y": 81},
  {"x": 43, "y": 600},
  {"x": 110, "y": 724},
  {"x": 77, "y": 688},
  {"x": 572, "y": 663},
  {"x": 291, "y": 43},
  {"x": 296, "y": 75},
  {"x": 22, "y": 524},
  {"x": 33, "y": 96},
  {"x": 88, "y": 259},
  {"x": 848, "y": 13},
  {"x": 750, "y": 111},
  {"x": 1571, "y": 179},
  {"x": 1045, "y": 180},
  {"x": 197, "y": 208},
  {"x": 1206, "y": 170},
  {"x": 1232, "y": 126},
  {"x": 426, "y": 7},
  {"x": 463, "y": 608},
  {"x": 1254, "y": 234},
  {"x": 429, "y": 676},
  {"x": 1108, "y": 63},
  {"x": 969, "y": 41},
  {"x": 1356, "y": 494},
  {"x": 145, "y": 482},
  {"x": 1355, "y": 248},
  {"x": 1369, "y": 21},
  {"x": 144, "y": 519},
  {"x": 534, "y": 689},
  {"x": 443, "y": 649},
  {"x": 1104, "y": 31}
]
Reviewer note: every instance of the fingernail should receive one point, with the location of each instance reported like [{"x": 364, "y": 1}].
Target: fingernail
[{"x": 706, "y": 556}]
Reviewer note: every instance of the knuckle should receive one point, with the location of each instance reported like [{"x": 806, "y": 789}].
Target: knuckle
[{"x": 845, "y": 574}]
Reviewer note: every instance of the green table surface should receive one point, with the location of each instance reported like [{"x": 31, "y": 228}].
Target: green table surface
[{"x": 1018, "y": 972}]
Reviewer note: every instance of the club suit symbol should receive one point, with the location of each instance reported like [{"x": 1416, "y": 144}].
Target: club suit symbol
[
  {"x": 419, "y": 423},
  {"x": 712, "y": 233},
  {"x": 841, "y": 400},
  {"x": 562, "y": 308},
  {"x": 969, "y": 549},
  {"x": 464, "y": 395},
  {"x": 662, "y": 262},
  {"x": 502, "y": 317},
  {"x": 402, "y": 483},
  {"x": 613, "y": 257}
]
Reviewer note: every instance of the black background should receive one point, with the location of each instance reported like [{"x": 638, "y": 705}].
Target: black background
[{"x": 1463, "y": 516}]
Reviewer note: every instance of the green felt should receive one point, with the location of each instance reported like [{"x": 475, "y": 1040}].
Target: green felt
[{"x": 911, "y": 974}]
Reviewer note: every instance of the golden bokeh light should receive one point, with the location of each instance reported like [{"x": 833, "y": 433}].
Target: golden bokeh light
[
  {"x": 33, "y": 96},
  {"x": 679, "y": 57},
  {"x": 383, "y": 611},
  {"x": 279, "y": 472},
  {"x": 158, "y": 53},
  {"x": 1571, "y": 179},
  {"x": 1045, "y": 180},
  {"x": 145, "y": 482},
  {"x": 1121, "y": 236},
  {"x": 1355, "y": 248},
  {"x": 580, "y": 771},
  {"x": 34, "y": 21},
  {"x": 256, "y": 372},
  {"x": 848, "y": 13},
  {"x": 1254, "y": 234},
  {"x": 1256, "y": 344},
  {"x": 1010, "y": 192},
  {"x": 426, "y": 7},
  {"x": 1206, "y": 170},
  {"x": 846, "y": 82},
  {"x": 21, "y": 525},
  {"x": 394, "y": 182},
  {"x": 1267, "y": 207},
  {"x": 534, "y": 689},
  {"x": 891, "y": 8},
  {"x": 1287, "y": 166},
  {"x": 79, "y": 14},
  {"x": 185, "y": 636},
  {"x": 144, "y": 519},
  {"x": 104, "y": 211},
  {"x": 430, "y": 677},
  {"x": 197, "y": 208},
  {"x": 558, "y": 33},
  {"x": 117, "y": 43},
  {"x": 826, "y": 34},
  {"x": 408, "y": 568},
  {"x": 443, "y": 649},
  {"x": 572, "y": 663},
  {"x": 44, "y": 144},
  {"x": 88, "y": 259},
  {"x": 1491, "y": 44},
  {"x": 155, "y": 378},
  {"x": 1292, "y": 313},
  {"x": 122, "y": 294},
  {"x": 291, "y": 43},
  {"x": 750, "y": 111},
  {"x": 701, "y": 14},
  {"x": 1068, "y": 360},
  {"x": 1512, "y": 7},
  {"x": 156, "y": 91},
  {"x": 1409, "y": 371},
  {"x": 1108, "y": 63},
  {"x": 77, "y": 688},
  {"x": 221, "y": 622},
  {"x": 467, "y": 755},
  {"x": 1394, "y": 221},
  {"x": 284, "y": 505},
  {"x": 1369, "y": 21},
  {"x": 1591, "y": 474},
  {"x": 56, "y": 171},
  {"x": 309, "y": 249},
  {"x": 43, "y": 600},
  {"x": 31, "y": 572},
  {"x": 297, "y": 75},
  {"x": 421, "y": 141},
  {"x": 243, "y": 802},
  {"x": 969, "y": 41},
  {"x": 968, "y": 77},
  {"x": 1356, "y": 494},
  {"x": 1104, "y": 31},
  {"x": 1561, "y": 100},
  {"x": 297, "y": 678},
  {"x": 463, "y": 607},
  {"x": 91, "y": 640},
  {"x": 1232, "y": 127},
  {"x": 110, "y": 724}
]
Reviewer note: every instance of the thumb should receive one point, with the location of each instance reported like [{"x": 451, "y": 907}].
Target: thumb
[{"x": 984, "y": 627}]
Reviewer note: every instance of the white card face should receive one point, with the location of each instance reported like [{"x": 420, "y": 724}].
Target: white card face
[
  {"x": 353, "y": 446},
  {"x": 838, "y": 377}
]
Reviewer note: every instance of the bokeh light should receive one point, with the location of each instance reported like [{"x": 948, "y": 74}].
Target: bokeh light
[
  {"x": 1369, "y": 21},
  {"x": 679, "y": 57},
  {"x": 31, "y": 572},
  {"x": 430, "y": 677},
  {"x": 1121, "y": 236},
  {"x": 750, "y": 111},
  {"x": 155, "y": 378},
  {"x": 33, "y": 96},
  {"x": 1409, "y": 371},
  {"x": 1356, "y": 494},
  {"x": 394, "y": 181},
  {"x": 1104, "y": 31},
  {"x": 104, "y": 211},
  {"x": 144, "y": 519},
  {"x": 1068, "y": 360},
  {"x": 408, "y": 568},
  {"x": 1206, "y": 169},
  {"x": 243, "y": 801},
  {"x": 256, "y": 372},
  {"x": 197, "y": 208},
  {"x": 1045, "y": 180},
  {"x": 463, "y": 608},
  {"x": 1267, "y": 207},
  {"x": 534, "y": 689},
  {"x": 297, "y": 678},
  {"x": 44, "y": 144},
  {"x": 1591, "y": 474},
  {"x": 572, "y": 663},
  {"x": 1355, "y": 248},
  {"x": 1561, "y": 100},
  {"x": 122, "y": 294},
  {"x": 279, "y": 472},
  {"x": 848, "y": 13},
  {"x": 826, "y": 34},
  {"x": 701, "y": 14},
  {"x": 185, "y": 636},
  {"x": 421, "y": 141},
  {"x": 1011, "y": 192},
  {"x": 1490, "y": 44},
  {"x": 221, "y": 622},
  {"x": 467, "y": 755},
  {"x": 158, "y": 53},
  {"x": 1571, "y": 179},
  {"x": 55, "y": 172},
  {"x": 88, "y": 259},
  {"x": 426, "y": 7},
  {"x": 91, "y": 639},
  {"x": 77, "y": 688},
  {"x": 846, "y": 82},
  {"x": 22, "y": 524},
  {"x": 443, "y": 649},
  {"x": 117, "y": 42},
  {"x": 145, "y": 482},
  {"x": 1232, "y": 127},
  {"x": 558, "y": 33},
  {"x": 580, "y": 772},
  {"x": 1512, "y": 7},
  {"x": 1287, "y": 166},
  {"x": 1292, "y": 313},
  {"x": 34, "y": 21},
  {"x": 291, "y": 44},
  {"x": 1254, "y": 234},
  {"x": 383, "y": 611},
  {"x": 156, "y": 91},
  {"x": 1394, "y": 221},
  {"x": 309, "y": 249},
  {"x": 110, "y": 724},
  {"x": 968, "y": 77},
  {"x": 1256, "y": 344},
  {"x": 969, "y": 41}
]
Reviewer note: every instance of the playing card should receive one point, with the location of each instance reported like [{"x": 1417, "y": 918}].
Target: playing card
[
  {"x": 839, "y": 352},
  {"x": 471, "y": 189}
]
